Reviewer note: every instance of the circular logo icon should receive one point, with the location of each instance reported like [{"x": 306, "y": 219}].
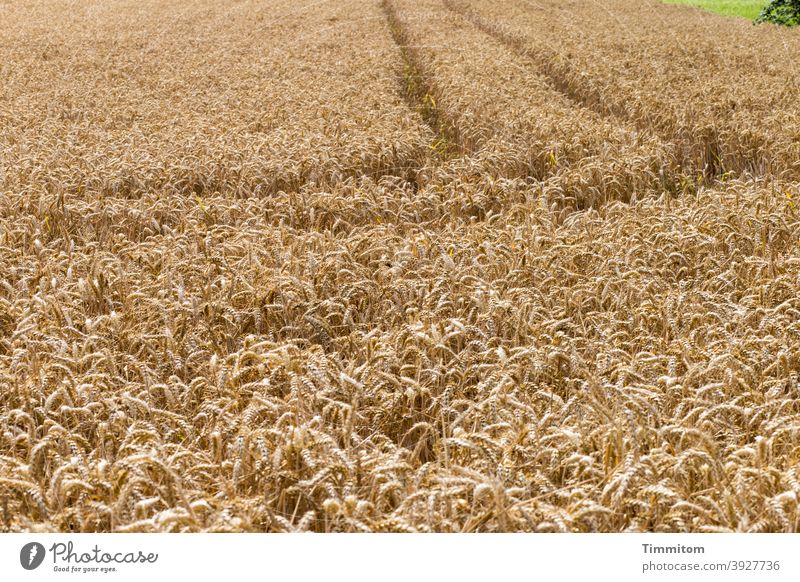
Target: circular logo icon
[{"x": 31, "y": 555}]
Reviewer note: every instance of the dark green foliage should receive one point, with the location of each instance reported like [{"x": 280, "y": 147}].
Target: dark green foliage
[{"x": 785, "y": 12}]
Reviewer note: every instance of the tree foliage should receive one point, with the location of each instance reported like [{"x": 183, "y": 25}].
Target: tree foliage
[{"x": 785, "y": 12}]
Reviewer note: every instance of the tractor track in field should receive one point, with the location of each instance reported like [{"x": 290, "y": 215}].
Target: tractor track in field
[
  {"x": 418, "y": 92},
  {"x": 558, "y": 76}
]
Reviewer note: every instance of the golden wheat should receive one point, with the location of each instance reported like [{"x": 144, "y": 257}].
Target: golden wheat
[
  {"x": 380, "y": 266},
  {"x": 723, "y": 92}
]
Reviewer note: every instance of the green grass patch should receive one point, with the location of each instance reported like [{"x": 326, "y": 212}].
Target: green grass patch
[{"x": 745, "y": 8}]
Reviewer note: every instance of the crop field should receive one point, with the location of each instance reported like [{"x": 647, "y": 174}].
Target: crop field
[{"x": 398, "y": 266}]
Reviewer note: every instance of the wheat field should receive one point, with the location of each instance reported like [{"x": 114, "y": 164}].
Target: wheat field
[{"x": 397, "y": 266}]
